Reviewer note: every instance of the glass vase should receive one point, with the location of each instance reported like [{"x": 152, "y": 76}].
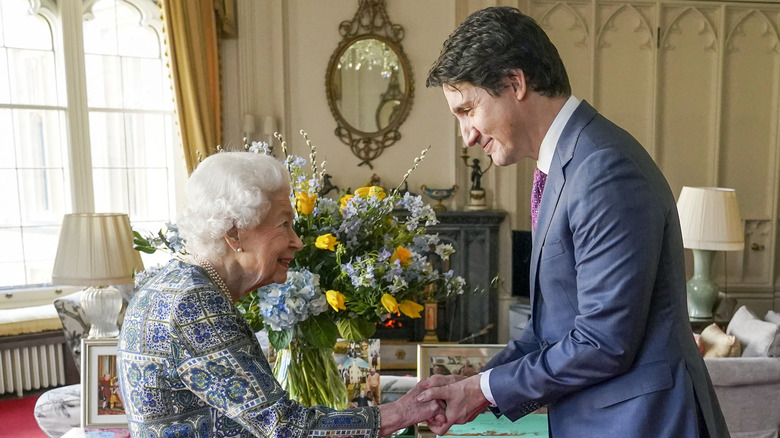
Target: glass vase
[{"x": 310, "y": 375}]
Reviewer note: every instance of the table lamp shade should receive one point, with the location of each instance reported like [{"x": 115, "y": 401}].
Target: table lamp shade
[
  {"x": 95, "y": 249},
  {"x": 710, "y": 219}
]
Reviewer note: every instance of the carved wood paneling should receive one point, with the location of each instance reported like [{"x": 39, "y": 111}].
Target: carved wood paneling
[
  {"x": 567, "y": 25},
  {"x": 752, "y": 266},
  {"x": 751, "y": 68},
  {"x": 698, "y": 84},
  {"x": 625, "y": 65},
  {"x": 688, "y": 69}
]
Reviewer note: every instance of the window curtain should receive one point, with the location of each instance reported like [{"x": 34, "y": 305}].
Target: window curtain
[{"x": 192, "y": 31}]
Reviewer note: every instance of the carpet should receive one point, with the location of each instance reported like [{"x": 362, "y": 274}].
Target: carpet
[{"x": 17, "y": 419}]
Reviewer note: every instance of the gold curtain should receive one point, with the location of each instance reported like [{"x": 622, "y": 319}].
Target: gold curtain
[{"x": 192, "y": 29}]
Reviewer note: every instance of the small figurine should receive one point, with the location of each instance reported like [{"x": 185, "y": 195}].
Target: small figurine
[
  {"x": 328, "y": 186},
  {"x": 477, "y": 199},
  {"x": 374, "y": 181},
  {"x": 476, "y": 174}
]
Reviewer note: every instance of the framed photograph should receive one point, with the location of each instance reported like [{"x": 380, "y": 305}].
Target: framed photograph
[
  {"x": 101, "y": 400},
  {"x": 359, "y": 365},
  {"x": 464, "y": 359}
]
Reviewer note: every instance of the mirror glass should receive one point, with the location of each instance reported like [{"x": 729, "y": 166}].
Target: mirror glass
[{"x": 371, "y": 81}]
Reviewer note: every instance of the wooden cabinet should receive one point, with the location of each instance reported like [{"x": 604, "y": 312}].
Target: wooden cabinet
[{"x": 473, "y": 317}]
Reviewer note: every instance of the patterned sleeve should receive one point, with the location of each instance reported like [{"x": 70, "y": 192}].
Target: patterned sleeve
[{"x": 220, "y": 361}]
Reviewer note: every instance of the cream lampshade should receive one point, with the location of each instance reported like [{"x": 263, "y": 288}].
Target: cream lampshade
[
  {"x": 96, "y": 250},
  {"x": 710, "y": 221}
]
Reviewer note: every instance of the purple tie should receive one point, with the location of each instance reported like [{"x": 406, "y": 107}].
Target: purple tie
[{"x": 536, "y": 195}]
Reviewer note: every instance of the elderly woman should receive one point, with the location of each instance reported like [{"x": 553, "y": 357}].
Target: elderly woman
[{"x": 189, "y": 364}]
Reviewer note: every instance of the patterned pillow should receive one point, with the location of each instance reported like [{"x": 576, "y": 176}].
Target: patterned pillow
[
  {"x": 58, "y": 410},
  {"x": 75, "y": 324}
]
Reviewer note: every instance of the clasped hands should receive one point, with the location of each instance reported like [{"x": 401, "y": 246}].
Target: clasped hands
[{"x": 442, "y": 401}]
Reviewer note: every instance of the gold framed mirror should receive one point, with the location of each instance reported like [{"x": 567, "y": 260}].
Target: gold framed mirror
[{"x": 369, "y": 82}]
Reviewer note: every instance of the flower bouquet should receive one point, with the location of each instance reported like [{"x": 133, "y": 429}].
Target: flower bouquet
[{"x": 365, "y": 256}]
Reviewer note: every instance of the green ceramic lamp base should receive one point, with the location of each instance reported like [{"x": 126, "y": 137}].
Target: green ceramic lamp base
[{"x": 702, "y": 291}]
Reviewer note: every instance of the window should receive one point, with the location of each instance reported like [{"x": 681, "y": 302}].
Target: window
[{"x": 126, "y": 110}]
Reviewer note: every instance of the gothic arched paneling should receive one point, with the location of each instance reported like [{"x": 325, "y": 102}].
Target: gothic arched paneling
[
  {"x": 687, "y": 104},
  {"x": 625, "y": 65}
]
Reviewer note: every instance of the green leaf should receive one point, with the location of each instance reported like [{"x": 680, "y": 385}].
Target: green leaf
[
  {"x": 280, "y": 339},
  {"x": 356, "y": 329},
  {"x": 319, "y": 331}
]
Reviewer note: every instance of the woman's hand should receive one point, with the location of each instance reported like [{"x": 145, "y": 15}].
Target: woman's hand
[
  {"x": 461, "y": 397},
  {"x": 407, "y": 411}
]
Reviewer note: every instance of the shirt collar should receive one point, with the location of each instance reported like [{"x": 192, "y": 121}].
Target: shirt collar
[{"x": 547, "y": 149}]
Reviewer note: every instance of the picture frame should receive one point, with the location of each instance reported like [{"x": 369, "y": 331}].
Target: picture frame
[
  {"x": 359, "y": 364},
  {"x": 101, "y": 400},
  {"x": 464, "y": 359}
]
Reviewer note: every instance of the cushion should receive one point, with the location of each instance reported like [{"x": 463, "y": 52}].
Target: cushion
[
  {"x": 714, "y": 342},
  {"x": 75, "y": 324},
  {"x": 58, "y": 410},
  {"x": 28, "y": 320},
  {"x": 772, "y": 317},
  {"x": 758, "y": 338},
  {"x": 394, "y": 387}
]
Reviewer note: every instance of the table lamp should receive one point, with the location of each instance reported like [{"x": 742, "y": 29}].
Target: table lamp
[
  {"x": 96, "y": 250},
  {"x": 710, "y": 221}
]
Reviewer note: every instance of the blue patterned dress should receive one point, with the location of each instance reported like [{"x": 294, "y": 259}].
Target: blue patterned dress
[{"x": 190, "y": 366}]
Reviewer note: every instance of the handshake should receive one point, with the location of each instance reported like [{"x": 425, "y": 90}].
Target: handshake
[{"x": 440, "y": 400}]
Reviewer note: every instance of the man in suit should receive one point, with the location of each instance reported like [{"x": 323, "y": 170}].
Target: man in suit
[{"x": 609, "y": 349}]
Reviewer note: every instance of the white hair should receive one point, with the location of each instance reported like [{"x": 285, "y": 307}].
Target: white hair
[{"x": 226, "y": 190}]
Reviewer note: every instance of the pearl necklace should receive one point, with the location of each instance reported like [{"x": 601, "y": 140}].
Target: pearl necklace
[{"x": 214, "y": 275}]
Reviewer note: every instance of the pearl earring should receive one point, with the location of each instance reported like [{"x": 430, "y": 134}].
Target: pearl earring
[{"x": 239, "y": 249}]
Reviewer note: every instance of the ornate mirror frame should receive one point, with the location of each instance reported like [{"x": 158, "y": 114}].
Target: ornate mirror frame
[{"x": 371, "y": 22}]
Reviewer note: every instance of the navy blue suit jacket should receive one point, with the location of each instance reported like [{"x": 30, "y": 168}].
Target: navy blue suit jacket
[{"x": 609, "y": 349}]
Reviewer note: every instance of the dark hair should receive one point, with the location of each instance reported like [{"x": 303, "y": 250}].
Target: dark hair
[{"x": 493, "y": 41}]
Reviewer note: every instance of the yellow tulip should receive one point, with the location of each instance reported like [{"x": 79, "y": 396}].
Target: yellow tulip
[
  {"x": 344, "y": 200},
  {"x": 401, "y": 254},
  {"x": 410, "y": 308},
  {"x": 336, "y": 300},
  {"x": 327, "y": 241},
  {"x": 390, "y": 303},
  {"x": 367, "y": 192},
  {"x": 304, "y": 202}
]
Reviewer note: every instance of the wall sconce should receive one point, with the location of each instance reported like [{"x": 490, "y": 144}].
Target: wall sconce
[
  {"x": 248, "y": 128},
  {"x": 269, "y": 128}
]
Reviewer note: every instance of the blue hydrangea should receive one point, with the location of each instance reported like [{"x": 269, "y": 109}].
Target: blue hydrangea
[{"x": 284, "y": 305}]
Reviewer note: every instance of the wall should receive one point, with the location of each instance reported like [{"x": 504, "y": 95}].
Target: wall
[
  {"x": 696, "y": 82},
  {"x": 276, "y": 67}
]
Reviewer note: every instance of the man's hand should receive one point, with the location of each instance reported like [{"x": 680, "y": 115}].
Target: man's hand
[
  {"x": 408, "y": 410},
  {"x": 439, "y": 380},
  {"x": 463, "y": 398}
]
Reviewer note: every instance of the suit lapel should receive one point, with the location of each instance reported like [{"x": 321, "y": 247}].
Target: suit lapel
[{"x": 556, "y": 179}]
